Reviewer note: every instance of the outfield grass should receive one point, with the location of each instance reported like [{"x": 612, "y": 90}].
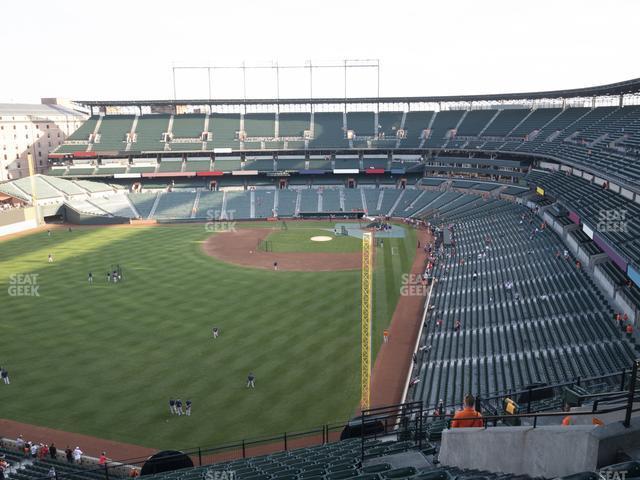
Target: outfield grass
[{"x": 104, "y": 359}]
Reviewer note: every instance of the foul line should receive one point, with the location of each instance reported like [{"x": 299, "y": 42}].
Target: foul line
[{"x": 419, "y": 336}]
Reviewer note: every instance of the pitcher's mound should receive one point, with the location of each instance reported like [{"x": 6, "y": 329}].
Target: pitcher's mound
[
  {"x": 241, "y": 248},
  {"x": 321, "y": 238}
]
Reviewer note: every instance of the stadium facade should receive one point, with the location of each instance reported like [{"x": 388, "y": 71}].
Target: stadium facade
[{"x": 37, "y": 129}]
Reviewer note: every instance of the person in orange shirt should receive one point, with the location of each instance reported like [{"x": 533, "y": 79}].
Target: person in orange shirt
[
  {"x": 468, "y": 417},
  {"x": 568, "y": 420},
  {"x": 385, "y": 336}
]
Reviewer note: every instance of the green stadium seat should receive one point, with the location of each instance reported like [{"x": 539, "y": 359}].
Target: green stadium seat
[
  {"x": 380, "y": 467},
  {"x": 404, "y": 472},
  {"x": 434, "y": 475}
]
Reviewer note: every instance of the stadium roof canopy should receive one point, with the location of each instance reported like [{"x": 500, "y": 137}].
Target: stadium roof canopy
[{"x": 612, "y": 89}]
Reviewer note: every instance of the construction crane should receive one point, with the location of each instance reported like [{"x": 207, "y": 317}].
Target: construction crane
[{"x": 365, "y": 347}]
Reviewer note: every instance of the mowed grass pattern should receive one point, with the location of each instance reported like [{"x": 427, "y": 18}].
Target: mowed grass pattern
[{"x": 104, "y": 359}]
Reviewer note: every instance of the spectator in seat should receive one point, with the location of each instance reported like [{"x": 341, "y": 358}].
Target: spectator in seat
[
  {"x": 568, "y": 420},
  {"x": 468, "y": 417}
]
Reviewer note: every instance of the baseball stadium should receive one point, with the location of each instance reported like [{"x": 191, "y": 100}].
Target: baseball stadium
[{"x": 373, "y": 288}]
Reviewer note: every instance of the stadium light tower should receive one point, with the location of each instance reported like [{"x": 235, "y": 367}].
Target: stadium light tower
[{"x": 365, "y": 346}]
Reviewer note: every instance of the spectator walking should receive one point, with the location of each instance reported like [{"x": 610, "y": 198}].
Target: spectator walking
[
  {"x": 53, "y": 451},
  {"x": 468, "y": 417},
  {"x": 77, "y": 455},
  {"x": 69, "y": 454},
  {"x": 102, "y": 460},
  {"x": 52, "y": 473}
]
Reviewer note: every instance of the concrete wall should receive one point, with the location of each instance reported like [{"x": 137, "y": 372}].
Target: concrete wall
[
  {"x": 77, "y": 218},
  {"x": 583, "y": 256},
  {"x": 17, "y": 220},
  {"x": 544, "y": 451},
  {"x": 18, "y": 227},
  {"x": 614, "y": 438}
]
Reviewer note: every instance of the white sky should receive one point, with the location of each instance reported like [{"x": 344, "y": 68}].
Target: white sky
[{"x": 117, "y": 49}]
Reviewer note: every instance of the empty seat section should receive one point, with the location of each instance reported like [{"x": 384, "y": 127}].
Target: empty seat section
[
  {"x": 224, "y": 127},
  {"x": 113, "y": 132},
  {"x": 293, "y": 124},
  {"x": 328, "y": 130},
  {"x": 149, "y": 132}
]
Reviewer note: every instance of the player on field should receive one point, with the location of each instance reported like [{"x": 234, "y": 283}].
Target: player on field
[
  {"x": 50, "y": 258},
  {"x": 188, "y": 409},
  {"x": 251, "y": 380},
  {"x": 216, "y": 332},
  {"x": 179, "y": 407},
  {"x": 172, "y": 406},
  {"x": 90, "y": 278}
]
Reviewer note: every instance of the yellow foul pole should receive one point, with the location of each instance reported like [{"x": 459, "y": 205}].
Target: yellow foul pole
[
  {"x": 34, "y": 191},
  {"x": 365, "y": 347}
]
